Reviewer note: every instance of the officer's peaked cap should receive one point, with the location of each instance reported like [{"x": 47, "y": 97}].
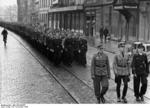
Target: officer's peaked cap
[
  {"x": 121, "y": 44},
  {"x": 141, "y": 46}
]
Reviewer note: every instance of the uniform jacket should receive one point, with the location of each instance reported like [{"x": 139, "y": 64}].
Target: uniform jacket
[
  {"x": 121, "y": 65},
  {"x": 100, "y": 65},
  {"x": 140, "y": 64}
]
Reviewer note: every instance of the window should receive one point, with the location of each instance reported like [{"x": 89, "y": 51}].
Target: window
[{"x": 148, "y": 48}]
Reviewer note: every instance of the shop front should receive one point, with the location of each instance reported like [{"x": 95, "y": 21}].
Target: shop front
[
  {"x": 144, "y": 32},
  {"x": 90, "y": 26},
  {"x": 128, "y": 19},
  {"x": 67, "y": 18}
]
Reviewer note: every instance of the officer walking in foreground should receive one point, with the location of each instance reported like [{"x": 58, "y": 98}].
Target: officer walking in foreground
[
  {"x": 100, "y": 72},
  {"x": 121, "y": 69},
  {"x": 140, "y": 69}
]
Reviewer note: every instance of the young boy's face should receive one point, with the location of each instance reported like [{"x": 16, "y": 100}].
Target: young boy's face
[{"x": 140, "y": 50}]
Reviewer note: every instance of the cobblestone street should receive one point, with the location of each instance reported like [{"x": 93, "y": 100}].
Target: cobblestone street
[{"x": 29, "y": 77}]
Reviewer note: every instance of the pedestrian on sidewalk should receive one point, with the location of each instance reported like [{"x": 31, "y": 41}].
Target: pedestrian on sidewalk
[
  {"x": 140, "y": 69},
  {"x": 106, "y": 32},
  {"x": 4, "y": 33},
  {"x": 121, "y": 69},
  {"x": 101, "y": 32},
  {"x": 100, "y": 73}
]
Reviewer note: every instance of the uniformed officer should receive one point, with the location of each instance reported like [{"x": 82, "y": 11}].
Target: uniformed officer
[
  {"x": 100, "y": 73},
  {"x": 121, "y": 69},
  {"x": 140, "y": 69}
]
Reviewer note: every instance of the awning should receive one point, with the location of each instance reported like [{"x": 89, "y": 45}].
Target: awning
[
  {"x": 125, "y": 6},
  {"x": 64, "y": 9}
]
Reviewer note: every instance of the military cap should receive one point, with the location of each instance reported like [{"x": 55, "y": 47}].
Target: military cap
[
  {"x": 121, "y": 44},
  {"x": 140, "y": 46}
]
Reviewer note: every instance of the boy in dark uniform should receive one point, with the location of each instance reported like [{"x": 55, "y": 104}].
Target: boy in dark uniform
[{"x": 140, "y": 69}]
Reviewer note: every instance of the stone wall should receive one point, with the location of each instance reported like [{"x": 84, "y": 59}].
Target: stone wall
[{"x": 144, "y": 33}]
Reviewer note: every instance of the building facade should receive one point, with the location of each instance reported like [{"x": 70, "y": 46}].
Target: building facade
[
  {"x": 144, "y": 26},
  {"x": 27, "y": 10},
  {"x": 44, "y": 6},
  {"x": 126, "y": 20},
  {"x": 22, "y": 11},
  {"x": 30, "y": 5},
  {"x": 67, "y": 14},
  {"x": 34, "y": 11},
  {"x": 112, "y": 14}
]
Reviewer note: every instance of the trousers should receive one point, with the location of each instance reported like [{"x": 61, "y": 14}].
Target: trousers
[
  {"x": 118, "y": 80},
  {"x": 100, "y": 85},
  {"x": 137, "y": 90}
]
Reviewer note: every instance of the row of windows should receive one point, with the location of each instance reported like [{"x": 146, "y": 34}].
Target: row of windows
[
  {"x": 71, "y": 21},
  {"x": 47, "y": 3},
  {"x": 44, "y": 3},
  {"x": 43, "y": 17},
  {"x": 71, "y": 2}
]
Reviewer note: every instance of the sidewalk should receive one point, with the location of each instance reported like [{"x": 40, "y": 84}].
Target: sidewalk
[{"x": 110, "y": 45}]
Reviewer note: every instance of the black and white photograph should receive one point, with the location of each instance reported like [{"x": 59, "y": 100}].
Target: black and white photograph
[{"x": 74, "y": 52}]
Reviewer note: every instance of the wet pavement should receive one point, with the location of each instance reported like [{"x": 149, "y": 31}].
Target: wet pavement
[
  {"x": 29, "y": 77},
  {"x": 24, "y": 80}
]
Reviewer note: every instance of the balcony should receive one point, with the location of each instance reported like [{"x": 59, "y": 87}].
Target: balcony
[
  {"x": 125, "y": 4},
  {"x": 68, "y": 3},
  {"x": 64, "y": 9},
  {"x": 36, "y": 1}
]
